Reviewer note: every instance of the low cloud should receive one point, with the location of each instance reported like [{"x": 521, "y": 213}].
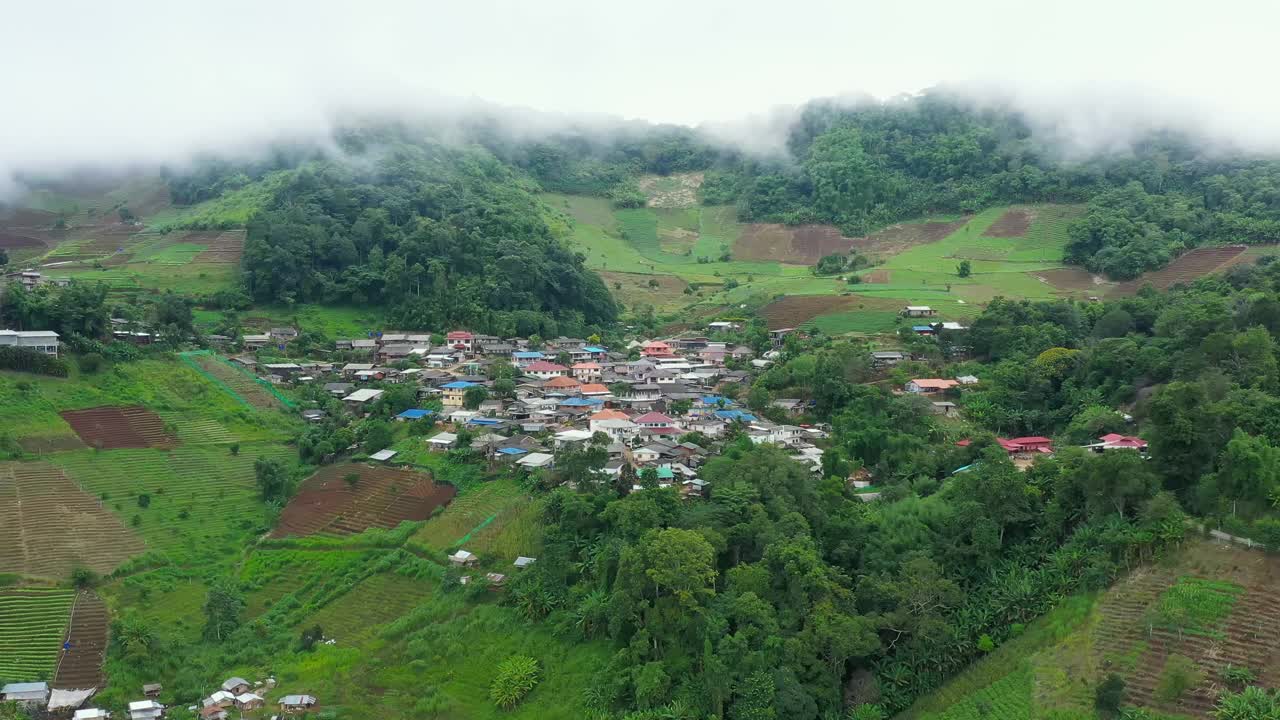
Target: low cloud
[{"x": 145, "y": 81}]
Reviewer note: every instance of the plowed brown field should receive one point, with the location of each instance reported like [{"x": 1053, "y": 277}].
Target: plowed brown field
[
  {"x": 111, "y": 427},
  {"x": 382, "y": 497}
]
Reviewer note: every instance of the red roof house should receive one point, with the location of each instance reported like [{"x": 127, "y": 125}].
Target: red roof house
[{"x": 654, "y": 419}]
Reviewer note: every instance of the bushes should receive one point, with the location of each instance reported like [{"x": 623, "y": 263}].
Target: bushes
[
  {"x": 517, "y": 675},
  {"x": 1109, "y": 695},
  {"x": 24, "y": 360},
  {"x": 1180, "y": 674}
]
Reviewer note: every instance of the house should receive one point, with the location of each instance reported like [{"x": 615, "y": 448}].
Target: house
[
  {"x": 249, "y": 701},
  {"x": 561, "y": 384},
  {"x": 544, "y": 370},
  {"x": 213, "y": 712},
  {"x": 587, "y": 371},
  {"x": 152, "y": 689},
  {"x": 41, "y": 341},
  {"x": 145, "y": 710},
  {"x": 655, "y": 348},
  {"x": 1116, "y": 441},
  {"x": 338, "y": 389},
  {"x": 593, "y": 390},
  {"x": 722, "y": 326},
  {"x": 442, "y": 441},
  {"x": 91, "y": 714},
  {"x": 946, "y": 409},
  {"x": 929, "y": 386},
  {"x": 459, "y": 340},
  {"x": 295, "y": 703},
  {"x": 27, "y": 693},
  {"x": 255, "y": 342},
  {"x": 314, "y": 416},
  {"x": 967, "y": 379},
  {"x": 363, "y": 347},
  {"x": 523, "y": 562},
  {"x": 922, "y": 329},
  {"x": 791, "y": 406},
  {"x": 496, "y": 580},
  {"x": 779, "y": 336},
  {"x": 454, "y": 393},
  {"x": 383, "y": 455},
  {"x": 525, "y": 358},
  {"x": 571, "y": 437},
  {"x": 1021, "y": 445},
  {"x": 283, "y": 334},
  {"x": 918, "y": 311},
  {"x": 536, "y": 460},
  {"x": 414, "y": 414},
  {"x": 654, "y": 420},
  {"x": 710, "y": 426},
  {"x": 357, "y": 401},
  {"x": 350, "y": 369}
]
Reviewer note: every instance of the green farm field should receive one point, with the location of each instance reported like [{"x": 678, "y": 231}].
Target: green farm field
[{"x": 32, "y": 624}]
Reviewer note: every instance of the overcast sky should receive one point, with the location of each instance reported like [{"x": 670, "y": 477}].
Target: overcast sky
[{"x": 156, "y": 79}]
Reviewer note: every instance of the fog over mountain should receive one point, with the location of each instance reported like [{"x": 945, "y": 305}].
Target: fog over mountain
[{"x": 149, "y": 81}]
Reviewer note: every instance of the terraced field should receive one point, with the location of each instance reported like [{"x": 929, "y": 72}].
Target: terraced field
[
  {"x": 327, "y": 503},
  {"x": 376, "y": 600},
  {"x": 242, "y": 384},
  {"x": 197, "y": 497},
  {"x": 193, "y": 430},
  {"x": 50, "y": 526},
  {"x": 470, "y": 513},
  {"x": 81, "y": 667},
  {"x": 33, "y": 622},
  {"x": 1184, "y": 269}
]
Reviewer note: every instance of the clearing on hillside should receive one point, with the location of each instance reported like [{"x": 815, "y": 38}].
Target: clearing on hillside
[
  {"x": 795, "y": 310},
  {"x": 32, "y": 624},
  {"x": 328, "y": 503},
  {"x": 1213, "y": 604},
  {"x": 81, "y": 668},
  {"x": 795, "y": 245},
  {"x": 49, "y": 526},
  {"x": 678, "y": 190},
  {"x": 1075, "y": 280},
  {"x": 661, "y": 291},
  {"x": 1013, "y": 223},
  {"x": 1188, "y": 267},
  {"x": 112, "y": 427}
]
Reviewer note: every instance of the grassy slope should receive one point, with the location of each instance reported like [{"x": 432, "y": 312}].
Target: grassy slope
[{"x": 639, "y": 241}]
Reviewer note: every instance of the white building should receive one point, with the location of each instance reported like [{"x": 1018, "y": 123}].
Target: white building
[{"x": 42, "y": 341}]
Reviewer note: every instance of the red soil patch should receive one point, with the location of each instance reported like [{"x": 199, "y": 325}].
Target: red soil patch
[
  {"x": 796, "y": 245},
  {"x": 27, "y": 218},
  {"x": 1188, "y": 267},
  {"x": 382, "y": 497},
  {"x": 114, "y": 427},
  {"x": 795, "y": 310},
  {"x": 220, "y": 247},
  {"x": 1014, "y": 223},
  {"x": 81, "y": 667}
]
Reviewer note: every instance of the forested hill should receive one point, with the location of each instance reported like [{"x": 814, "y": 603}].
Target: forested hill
[
  {"x": 440, "y": 235},
  {"x": 401, "y": 194},
  {"x": 871, "y": 165}
]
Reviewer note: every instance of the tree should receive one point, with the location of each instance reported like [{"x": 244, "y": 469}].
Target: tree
[
  {"x": 473, "y": 396},
  {"x": 964, "y": 269},
  {"x": 1112, "y": 482},
  {"x": 376, "y": 435},
  {"x": 222, "y": 606},
  {"x": 753, "y": 698},
  {"x": 272, "y": 478}
]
